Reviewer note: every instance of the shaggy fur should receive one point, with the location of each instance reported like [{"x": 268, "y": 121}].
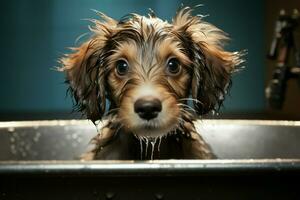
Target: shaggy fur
[{"x": 149, "y": 48}]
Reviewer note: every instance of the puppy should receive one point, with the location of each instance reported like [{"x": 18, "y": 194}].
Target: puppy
[{"x": 148, "y": 80}]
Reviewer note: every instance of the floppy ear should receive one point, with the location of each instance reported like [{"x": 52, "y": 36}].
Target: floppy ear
[
  {"x": 212, "y": 65},
  {"x": 85, "y": 70}
]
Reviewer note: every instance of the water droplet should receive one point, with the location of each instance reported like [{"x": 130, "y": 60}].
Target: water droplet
[
  {"x": 11, "y": 129},
  {"x": 109, "y": 195},
  {"x": 27, "y": 147},
  {"x": 36, "y": 136},
  {"x": 213, "y": 112},
  {"x": 13, "y": 149},
  {"x": 74, "y": 136},
  {"x": 12, "y": 139},
  {"x": 159, "y": 196},
  {"x": 79, "y": 139},
  {"x": 23, "y": 153}
]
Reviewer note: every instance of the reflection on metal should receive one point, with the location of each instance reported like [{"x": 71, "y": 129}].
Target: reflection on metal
[
  {"x": 250, "y": 122},
  {"x": 229, "y": 139},
  {"x": 44, "y": 123},
  {"x": 149, "y": 168},
  {"x": 87, "y": 122}
]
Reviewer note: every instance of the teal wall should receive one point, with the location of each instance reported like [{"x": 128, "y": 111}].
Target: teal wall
[{"x": 34, "y": 34}]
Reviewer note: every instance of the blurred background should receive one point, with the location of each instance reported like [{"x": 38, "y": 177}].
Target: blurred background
[{"x": 34, "y": 34}]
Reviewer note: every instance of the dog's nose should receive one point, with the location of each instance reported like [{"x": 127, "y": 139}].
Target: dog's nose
[{"x": 147, "y": 107}]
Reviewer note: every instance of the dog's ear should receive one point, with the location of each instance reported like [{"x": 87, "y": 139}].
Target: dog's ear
[
  {"x": 85, "y": 70},
  {"x": 212, "y": 65}
]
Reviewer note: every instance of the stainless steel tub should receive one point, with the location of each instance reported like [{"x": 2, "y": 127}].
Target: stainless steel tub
[
  {"x": 229, "y": 139},
  {"x": 257, "y": 159}
]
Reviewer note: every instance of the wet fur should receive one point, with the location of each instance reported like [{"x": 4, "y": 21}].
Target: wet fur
[{"x": 147, "y": 43}]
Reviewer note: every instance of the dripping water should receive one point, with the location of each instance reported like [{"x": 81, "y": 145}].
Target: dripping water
[
  {"x": 152, "y": 146},
  {"x": 141, "y": 147},
  {"x": 146, "y": 142},
  {"x": 152, "y": 141},
  {"x": 159, "y": 142}
]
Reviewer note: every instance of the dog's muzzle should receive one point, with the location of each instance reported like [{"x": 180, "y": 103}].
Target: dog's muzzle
[{"x": 147, "y": 107}]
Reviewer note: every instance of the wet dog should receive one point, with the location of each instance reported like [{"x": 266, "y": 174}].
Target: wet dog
[{"x": 157, "y": 78}]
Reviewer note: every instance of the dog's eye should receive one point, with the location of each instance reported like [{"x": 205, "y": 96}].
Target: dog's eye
[
  {"x": 122, "y": 67},
  {"x": 173, "y": 66}
]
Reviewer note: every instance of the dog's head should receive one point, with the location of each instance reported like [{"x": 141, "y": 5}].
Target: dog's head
[{"x": 148, "y": 68}]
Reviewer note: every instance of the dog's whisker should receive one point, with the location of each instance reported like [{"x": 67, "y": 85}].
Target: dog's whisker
[
  {"x": 191, "y": 99},
  {"x": 182, "y": 105},
  {"x": 187, "y": 111}
]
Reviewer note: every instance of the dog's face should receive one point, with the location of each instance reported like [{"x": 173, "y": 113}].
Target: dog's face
[
  {"x": 148, "y": 76},
  {"x": 147, "y": 69}
]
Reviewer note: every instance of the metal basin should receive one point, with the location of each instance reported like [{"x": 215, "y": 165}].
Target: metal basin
[
  {"x": 256, "y": 160},
  {"x": 229, "y": 139}
]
